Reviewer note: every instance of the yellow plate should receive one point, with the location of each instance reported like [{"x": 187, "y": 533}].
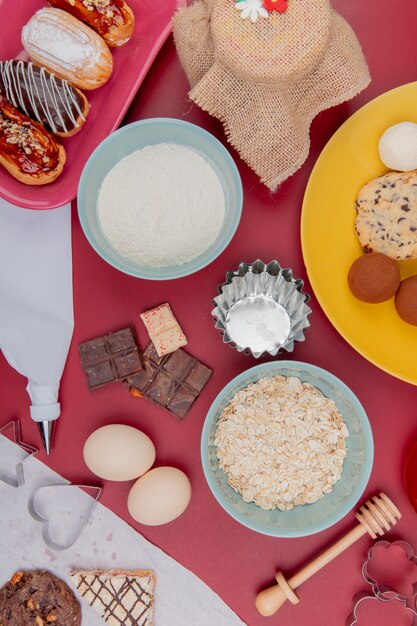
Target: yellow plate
[{"x": 329, "y": 242}]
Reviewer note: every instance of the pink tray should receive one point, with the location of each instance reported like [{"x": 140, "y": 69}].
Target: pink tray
[{"x": 108, "y": 104}]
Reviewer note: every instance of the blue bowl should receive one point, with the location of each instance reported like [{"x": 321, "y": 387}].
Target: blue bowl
[
  {"x": 310, "y": 518},
  {"x": 134, "y": 137}
]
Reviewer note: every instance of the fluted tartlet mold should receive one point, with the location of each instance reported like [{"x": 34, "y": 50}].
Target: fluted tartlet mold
[{"x": 261, "y": 308}]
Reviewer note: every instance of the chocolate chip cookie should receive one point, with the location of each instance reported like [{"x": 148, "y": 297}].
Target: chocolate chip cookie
[
  {"x": 39, "y": 598},
  {"x": 386, "y": 220}
]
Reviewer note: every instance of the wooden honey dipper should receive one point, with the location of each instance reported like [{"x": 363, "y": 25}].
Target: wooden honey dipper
[{"x": 375, "y": 517}]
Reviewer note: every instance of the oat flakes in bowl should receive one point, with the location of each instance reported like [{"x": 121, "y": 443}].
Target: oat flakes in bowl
[
  {"x": 284, "y": 434},
  {"x": 281, "y": 443}
]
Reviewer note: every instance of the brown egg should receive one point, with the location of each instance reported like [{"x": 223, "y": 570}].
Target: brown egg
[
  {"x": 406, "y": 300},
  {"x": 374, "y": 278}
]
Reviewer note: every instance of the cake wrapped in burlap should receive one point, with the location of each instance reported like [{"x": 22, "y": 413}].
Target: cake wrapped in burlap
[{"x": 267, "y": 80}]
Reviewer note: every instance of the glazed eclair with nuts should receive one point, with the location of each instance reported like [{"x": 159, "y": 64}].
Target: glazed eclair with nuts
[
  {"x": 112, "y": 19},
  {"x": 27, "y": 150}
]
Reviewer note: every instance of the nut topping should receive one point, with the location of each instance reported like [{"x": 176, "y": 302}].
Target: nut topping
[
  {"x": 16, "y": 578},
  {"x": 27, "y": 144},
  {"x": 20, "y": 135},
  {"x": 102, "y": 6}
]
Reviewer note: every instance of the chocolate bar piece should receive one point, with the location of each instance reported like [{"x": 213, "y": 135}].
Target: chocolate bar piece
[
  {"x": 112, "y": 357},
  {"x": 173, "y": 381}
]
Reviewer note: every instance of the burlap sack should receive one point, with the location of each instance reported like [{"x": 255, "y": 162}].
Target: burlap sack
[{"x": 267, "y": 80}]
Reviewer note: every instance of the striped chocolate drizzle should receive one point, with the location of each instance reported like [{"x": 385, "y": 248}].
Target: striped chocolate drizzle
[
  {"x": 41, "y": 95},
  {"x": 129, "y": 605}
]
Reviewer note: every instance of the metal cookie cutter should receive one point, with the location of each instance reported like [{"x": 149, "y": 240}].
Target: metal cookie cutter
[
  {"x": 371, "y": 611},
  {"x": 391, "y": 570},
  {"x": 261, "y": 308},
  {"x": 13, "y": 461},
  {"x": 64, "y": 510}
]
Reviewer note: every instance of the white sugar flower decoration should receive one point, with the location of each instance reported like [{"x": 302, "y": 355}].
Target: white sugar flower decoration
[{"x": 252, "y": 9}]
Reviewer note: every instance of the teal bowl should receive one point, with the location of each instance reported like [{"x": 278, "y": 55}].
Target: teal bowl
[
  {"x": 134, "y": 137},
  {"x": 310, "y": 518}
]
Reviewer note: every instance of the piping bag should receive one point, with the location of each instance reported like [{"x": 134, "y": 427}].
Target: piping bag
[{"x": 36, "y": 304}]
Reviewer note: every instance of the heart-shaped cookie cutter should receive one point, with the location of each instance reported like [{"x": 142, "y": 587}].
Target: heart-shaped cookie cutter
[
  {"x": 12, "y": 428},
  {"x": 40, "y": 516}
]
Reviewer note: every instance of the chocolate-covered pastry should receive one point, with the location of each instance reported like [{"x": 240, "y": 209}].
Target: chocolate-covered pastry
[
  {"x": 42, "y": 96},
  {"x": 173, "y": 381},
  {"x": 39, "y": 598}
]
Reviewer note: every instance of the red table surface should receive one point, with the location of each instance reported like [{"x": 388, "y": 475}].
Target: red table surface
[{"x": 234, "y": 561}]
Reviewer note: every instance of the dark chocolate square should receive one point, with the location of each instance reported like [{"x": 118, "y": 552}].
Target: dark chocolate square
[
  {"x": 151, "y": 354},
  {"x": 93, "y": 351},
  {"x": 127, "y": 364},
  {"x": 141, "y": 380},
  {"x": 100, "y": 374},
  {"x": 199, "y": 376},
  {"x": 112, "y": 357},
  {"x": 174, "y": 380},
  {"x": 121, "y": 340},
  {"x": 182, "y": 401},
  {"x": 178, "y": 362},
  {"x": 161, "y": 389}
]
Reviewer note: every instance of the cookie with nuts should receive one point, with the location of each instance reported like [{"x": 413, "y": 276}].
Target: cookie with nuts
[{"x": 38, "y": 597}]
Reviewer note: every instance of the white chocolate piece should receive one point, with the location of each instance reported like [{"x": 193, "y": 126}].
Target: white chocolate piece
[
  {"x": 164, "y": 330},
  {"x": 398, "y": 147}
]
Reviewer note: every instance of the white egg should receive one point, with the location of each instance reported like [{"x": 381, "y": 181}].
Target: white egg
[
  {"x": 398, "y": 147},
  {"x": 119, "y": 452},
  {"x": 159, "y": 496}
]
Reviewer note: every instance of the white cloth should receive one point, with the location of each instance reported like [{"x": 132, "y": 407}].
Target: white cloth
[
  {"x": 36, "y": 307},
  {"x": 107, "y": 542}
]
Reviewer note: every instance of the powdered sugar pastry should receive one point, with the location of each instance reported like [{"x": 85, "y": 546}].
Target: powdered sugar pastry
[
  {"x": 65, "y": 44},
  {"x": 161, "y": 206}
]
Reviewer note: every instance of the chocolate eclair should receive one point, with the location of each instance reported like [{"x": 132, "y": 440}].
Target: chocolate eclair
[{"x": 53, "y": 102}]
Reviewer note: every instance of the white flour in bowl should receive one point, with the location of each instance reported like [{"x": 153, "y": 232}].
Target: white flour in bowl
[{"x": 161, "y": 206}]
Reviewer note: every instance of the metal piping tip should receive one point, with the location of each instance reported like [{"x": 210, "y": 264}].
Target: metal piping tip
[{"x": 46, "y": 429}]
